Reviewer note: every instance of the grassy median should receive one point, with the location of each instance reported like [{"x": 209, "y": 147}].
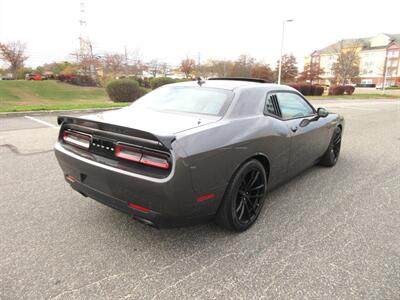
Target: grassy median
[
  {"x": 355, "y": 96},
  {"x": 22, "y": 95}
]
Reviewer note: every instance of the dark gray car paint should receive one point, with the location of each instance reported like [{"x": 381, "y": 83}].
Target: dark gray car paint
[{"x": 206, "y": 154}]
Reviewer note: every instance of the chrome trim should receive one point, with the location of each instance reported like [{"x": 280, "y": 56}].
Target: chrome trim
[{"x": 60, "y": 148}]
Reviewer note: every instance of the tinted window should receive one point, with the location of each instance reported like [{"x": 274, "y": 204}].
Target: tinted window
[
  {"x": 293, "y": 106},
  {"x": 197, "y": 100},
  {"x": 270, "y": 106}
]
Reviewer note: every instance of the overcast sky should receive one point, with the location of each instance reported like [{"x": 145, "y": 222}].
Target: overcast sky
[{"x": 173, "y": 29}]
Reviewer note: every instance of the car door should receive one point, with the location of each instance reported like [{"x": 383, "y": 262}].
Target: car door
[{"x": 308, "y": 133}]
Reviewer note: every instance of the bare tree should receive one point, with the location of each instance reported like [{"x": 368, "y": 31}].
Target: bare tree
[
  {"x": 347, "y": 65},
  {"x": 187, "y": 66},
  {"x": 114, "y": 64},
  {"x": 220, "y": 68},
  {"x": 13, "y": 53},
  {"x": 154, "y": 67},
  {"x": 164, "y": 69},
  {"x": 242, "y": 66}
]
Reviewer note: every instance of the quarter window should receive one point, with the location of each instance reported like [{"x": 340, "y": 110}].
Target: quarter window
[
  {"x": 293, "y": 106},
  {"x": 270, "y": 107}
]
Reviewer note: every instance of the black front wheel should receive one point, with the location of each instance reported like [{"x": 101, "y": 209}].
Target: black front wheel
[
  {"x": 331, "y": 156},
  {"x": 244, "y": 197}
]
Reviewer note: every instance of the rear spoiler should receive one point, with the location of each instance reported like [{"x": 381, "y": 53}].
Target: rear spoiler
[{"x": 131, "y": 133}]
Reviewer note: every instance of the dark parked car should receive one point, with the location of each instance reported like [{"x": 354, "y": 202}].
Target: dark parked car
[{"x": 195, "y": 151}]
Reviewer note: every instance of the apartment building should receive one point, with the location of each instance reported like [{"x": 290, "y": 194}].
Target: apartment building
[{"x": 379, "y": 59}]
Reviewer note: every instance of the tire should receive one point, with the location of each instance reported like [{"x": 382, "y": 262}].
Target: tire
[
  {"x": 331, "y": 155},
  {"x": 243, "y": 198}
]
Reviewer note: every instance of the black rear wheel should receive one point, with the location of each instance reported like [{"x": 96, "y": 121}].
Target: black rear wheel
[
  {"x": 244, "y": 197},
  {"x": 331, "y": 156}
]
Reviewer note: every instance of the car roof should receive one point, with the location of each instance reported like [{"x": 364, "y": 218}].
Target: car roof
[{"x": 231, "y": 84}]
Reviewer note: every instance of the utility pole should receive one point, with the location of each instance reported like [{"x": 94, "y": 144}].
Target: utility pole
[
  {"x": 384, "y": 75},
  {"x": 126, "y": 60},
  {"x": 282, "y": 39},
  {"x": 86, "y": 57}
]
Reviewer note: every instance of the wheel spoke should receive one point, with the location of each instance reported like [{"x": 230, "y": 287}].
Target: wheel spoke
[
  {"x": 255, "y": 196},
  {"x": 241, "y": 213},
  {"x": 257, "y": 187},
  {"x": 249, "y": 209},
  {"x": 239, "y": 206},
  {"x": 254, "y": 178}
]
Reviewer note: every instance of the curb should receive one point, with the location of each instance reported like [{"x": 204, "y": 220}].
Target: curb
[{"x": 52, "y": 112}]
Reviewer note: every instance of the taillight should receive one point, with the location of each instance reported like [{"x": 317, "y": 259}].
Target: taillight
[
  {"x": 154, "y": 161},
  {"x": 145, "y": 157},
  {"x": 129, "y": 153},
  {"x": 80, "y": 140}
]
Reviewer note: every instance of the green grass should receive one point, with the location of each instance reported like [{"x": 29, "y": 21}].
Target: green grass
[
  {"x": 22, "y": 95},
  {"x": 356, "y": 96}
]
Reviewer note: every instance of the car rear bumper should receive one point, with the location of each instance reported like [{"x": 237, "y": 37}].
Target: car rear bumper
[{"x": 167, "y": 202}]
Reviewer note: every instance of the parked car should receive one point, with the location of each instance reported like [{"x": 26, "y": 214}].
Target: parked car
[
  {"x": 194, "y": 151},
  {"x": 6, "y": 78},
  {"x": 37, "y": 77}
]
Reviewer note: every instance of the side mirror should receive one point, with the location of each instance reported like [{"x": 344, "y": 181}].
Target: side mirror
[{"x": 322, "y": 112}]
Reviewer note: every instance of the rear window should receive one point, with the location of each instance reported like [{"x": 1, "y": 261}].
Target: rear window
[{"x": 195, "y": 100}]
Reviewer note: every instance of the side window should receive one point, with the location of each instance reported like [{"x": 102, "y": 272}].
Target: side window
[
  {"x": 293, "y": 106},
  {"x": 271, "y": 106}
]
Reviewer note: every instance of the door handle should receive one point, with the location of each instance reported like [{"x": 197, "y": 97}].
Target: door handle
[{"x": 294, "y": 128}]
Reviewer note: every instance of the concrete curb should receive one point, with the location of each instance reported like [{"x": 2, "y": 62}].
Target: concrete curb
[{"x": 52, "y": 112}]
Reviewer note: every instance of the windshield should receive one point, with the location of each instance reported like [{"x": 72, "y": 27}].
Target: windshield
[{"x": 196, "y": 100}]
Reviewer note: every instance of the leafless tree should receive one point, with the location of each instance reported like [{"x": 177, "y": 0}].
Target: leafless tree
[
  {"x": 242, "y": 66},
  {"x": 347, "y": 65},
  {"x": 187, "y": 66},
  {"x": 13, "y": 53},
  {"x": 154, "y": 67},
  {"x": 114, "y": 64},
  {"x": 164, "y": 69}
]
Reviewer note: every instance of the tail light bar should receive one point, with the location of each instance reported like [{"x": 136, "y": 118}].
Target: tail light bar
[
  {"x": 126, "y": 152},
  {"x": 80, "y": 140},
  {"x": 146, "y": 157}
]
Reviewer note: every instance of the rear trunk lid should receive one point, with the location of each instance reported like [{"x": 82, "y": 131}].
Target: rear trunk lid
[{"x": 156, "y": 122}]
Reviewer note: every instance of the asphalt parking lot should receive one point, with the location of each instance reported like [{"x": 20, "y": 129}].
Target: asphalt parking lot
[{"x": 328, "y": 233}]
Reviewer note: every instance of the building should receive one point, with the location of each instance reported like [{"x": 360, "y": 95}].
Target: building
[{"x": 379, "y": 59}]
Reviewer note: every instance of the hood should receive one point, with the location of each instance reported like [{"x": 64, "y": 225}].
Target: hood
[{"x": 162, "y": 123}]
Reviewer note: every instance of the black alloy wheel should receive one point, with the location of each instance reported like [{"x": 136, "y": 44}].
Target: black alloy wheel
[
  {"x": 244, "y": 197},
  {"x": 331, "y": 156}
]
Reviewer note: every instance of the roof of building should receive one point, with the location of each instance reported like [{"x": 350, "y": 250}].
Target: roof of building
[{"x": 365, "y": 43}]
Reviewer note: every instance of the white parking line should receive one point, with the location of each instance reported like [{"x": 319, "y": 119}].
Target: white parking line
[{"x": 41, "y": 122}]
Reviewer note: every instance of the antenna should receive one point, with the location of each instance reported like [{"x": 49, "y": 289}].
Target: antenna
[{"x": 199, "y": 81}]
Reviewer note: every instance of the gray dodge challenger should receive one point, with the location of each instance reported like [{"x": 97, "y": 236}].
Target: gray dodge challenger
[{"x": 195, "y": 151}]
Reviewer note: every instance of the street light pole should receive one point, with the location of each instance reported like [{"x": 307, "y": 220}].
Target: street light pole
[{"x": 282, "y": 39}]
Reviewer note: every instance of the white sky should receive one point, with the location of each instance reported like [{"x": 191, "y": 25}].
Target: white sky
[{"x": 172, "y": 29}]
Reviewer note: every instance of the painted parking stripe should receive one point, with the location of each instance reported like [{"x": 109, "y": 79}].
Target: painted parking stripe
[{"x": 41, "y": 122}]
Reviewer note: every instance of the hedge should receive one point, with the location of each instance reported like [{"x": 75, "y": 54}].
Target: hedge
[
  {"x": 160, "y": 81},
  {"x": 308, "y": 89},
  {"x": 335, "y": 90},
  {"x": 81, "y": 80},
  {"x": 124, "y": 90}
]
